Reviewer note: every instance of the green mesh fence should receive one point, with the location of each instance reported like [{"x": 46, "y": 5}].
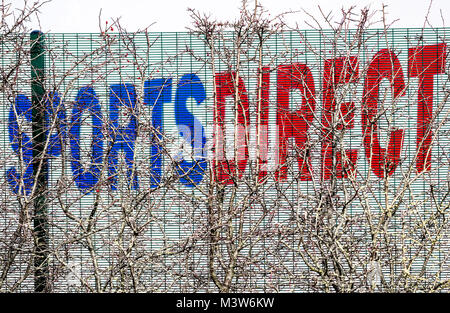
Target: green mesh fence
[{"x": 350, "y": 195}]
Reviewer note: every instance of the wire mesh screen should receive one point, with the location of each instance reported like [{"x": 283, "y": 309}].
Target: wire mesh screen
[{"x": 303, "y": 161}]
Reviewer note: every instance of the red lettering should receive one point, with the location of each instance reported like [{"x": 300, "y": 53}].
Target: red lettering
[
  {"x": 384, "y": 64},
  {"x": 262, "y": 130},
  {"x": 337, "y": 71},
  {"x": 227, "y": 171},
  {"x": 425, "y": 62},
  {"x": 294, "y": 124}
]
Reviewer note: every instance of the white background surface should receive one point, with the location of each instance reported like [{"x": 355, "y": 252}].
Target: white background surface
[{"x": 172, "y": 15}]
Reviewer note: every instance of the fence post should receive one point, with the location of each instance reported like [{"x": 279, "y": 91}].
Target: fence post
[{"x": 40, "y": 163}]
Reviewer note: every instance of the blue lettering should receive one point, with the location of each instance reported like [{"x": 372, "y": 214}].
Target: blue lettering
[
  {"x": 22, "y": 144},
  {"x": 122, "y": 138},
  {"x": 55, "y": 118},
  {"x": 156, "y": 93},
  {"x": 191, "y": 172},
  {"x": 86, "y": 100}
]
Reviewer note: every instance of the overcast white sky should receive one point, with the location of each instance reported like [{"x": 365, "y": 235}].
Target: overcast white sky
[{"x": 171, "y": 15}]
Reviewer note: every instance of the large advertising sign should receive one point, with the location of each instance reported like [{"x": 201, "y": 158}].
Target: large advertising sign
[
  {"x": 158, "y": 119},
  {"x": 180, "y": 97}
]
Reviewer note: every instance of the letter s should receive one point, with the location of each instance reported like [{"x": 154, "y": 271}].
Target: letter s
[{"x": 191, "y": 129}]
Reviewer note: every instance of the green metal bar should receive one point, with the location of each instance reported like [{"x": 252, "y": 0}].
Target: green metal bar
[{"x": 40, "y": 164}]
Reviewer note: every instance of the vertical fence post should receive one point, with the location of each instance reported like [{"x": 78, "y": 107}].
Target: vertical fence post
[{"x": 40, "y": 164}]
